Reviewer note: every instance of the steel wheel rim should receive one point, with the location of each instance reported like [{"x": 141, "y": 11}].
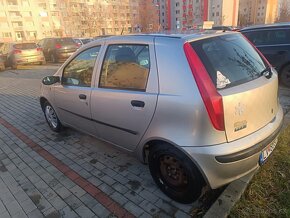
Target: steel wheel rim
[
  {"x": 172, "y": 172},
  {"x": 51, "y": 116}
]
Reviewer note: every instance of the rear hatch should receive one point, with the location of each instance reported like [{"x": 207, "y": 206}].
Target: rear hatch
[
  {"x": 66, "y": 45},
  {"x": 24, "y": 50},
  {"x": 243, "y": 79}
]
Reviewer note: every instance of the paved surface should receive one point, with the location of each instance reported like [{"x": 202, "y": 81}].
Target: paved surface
[{"x": 44, "y": 174}]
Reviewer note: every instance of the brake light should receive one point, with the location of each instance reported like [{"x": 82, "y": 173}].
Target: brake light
[
  {"x": 17, "y": 51},
  {"x": 38, "y": 49},
  {"x": 78, "y": 44},
  {"x": 212, "y": 99},
  {"x": 58, "y": 46}
]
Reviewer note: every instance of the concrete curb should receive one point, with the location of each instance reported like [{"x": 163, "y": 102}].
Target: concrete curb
[{"x": 233, "y": 192}]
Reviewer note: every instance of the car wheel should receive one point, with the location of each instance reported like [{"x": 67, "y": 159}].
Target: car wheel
[
  {"x": 285, "y": 76},
  {"x": 174, "y": 173},
  {"x": 51, "y": 117},
  {"x": 14, "y": 66},
  {"x": 42, "y": 62},
  {"x": 53, "y": 58}
]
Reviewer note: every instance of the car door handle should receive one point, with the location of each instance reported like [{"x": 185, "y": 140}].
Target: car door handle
[
  {"x": 82, "y": 96},
  {"x": 136, "y": 103}
]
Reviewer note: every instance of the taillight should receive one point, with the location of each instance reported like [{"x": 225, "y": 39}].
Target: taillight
[
  {"x": 78, "y": 44},
  {"x": 17, "y": 51},
  {"x": 58, "y": 46},
  {"x": 212, "y": 99},
  {"x": 38, "y": 49}
]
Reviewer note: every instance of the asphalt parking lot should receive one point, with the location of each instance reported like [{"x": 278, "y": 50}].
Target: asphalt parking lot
[{"x": 45, "y": 174}]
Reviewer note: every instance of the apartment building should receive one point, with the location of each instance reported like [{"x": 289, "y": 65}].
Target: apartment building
[
  {"x": 30, "y": 20},
  {"x": 223, "y": 12},
  {"x": 257, "y": 12},
  {"x": 182, "y": 14}
]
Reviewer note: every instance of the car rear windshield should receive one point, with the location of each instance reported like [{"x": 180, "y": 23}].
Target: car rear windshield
[
  {"x": 229, "y": 59},
  {"x": 65, "y": 41},
  {"x": 23, "y": 46}
]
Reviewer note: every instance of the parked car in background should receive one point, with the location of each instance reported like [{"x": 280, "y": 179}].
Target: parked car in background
[
  {"x": 199, "y": 108},
  {"x": 274, "y": 42},
  {"x": 15, "y": 54},
  {"x": 58, "y": 49},
  {"x": 82, "y": 41}
]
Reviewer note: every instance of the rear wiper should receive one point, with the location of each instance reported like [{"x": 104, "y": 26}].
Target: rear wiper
[{"x": 267, "y": 72}]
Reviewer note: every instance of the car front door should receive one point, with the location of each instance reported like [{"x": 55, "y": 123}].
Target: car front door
[
  {"x": 124, "y": 99},
  {"x": 73, "y": 94}
]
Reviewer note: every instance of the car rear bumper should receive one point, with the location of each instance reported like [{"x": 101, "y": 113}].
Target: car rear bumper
[
  {"x": 29, "y": 59},
  {"x": 223, "y": 163}
]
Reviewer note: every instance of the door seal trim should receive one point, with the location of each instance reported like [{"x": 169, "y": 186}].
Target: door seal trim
[{"x": 102, "y": 123}]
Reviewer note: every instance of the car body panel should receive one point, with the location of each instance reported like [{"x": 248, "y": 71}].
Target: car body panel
[{"x": 176, "y": 112}]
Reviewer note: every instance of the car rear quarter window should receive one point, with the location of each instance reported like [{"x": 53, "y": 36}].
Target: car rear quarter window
[
  {"x": 269, "y": 37},
  {"x": 125, "y": 67},
  {"x": 24, "y": 46},
  {"x": 229, "y": 59}
]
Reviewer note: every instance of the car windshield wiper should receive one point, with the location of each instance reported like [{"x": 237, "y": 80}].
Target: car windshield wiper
[{"x": 267, "y": 72}]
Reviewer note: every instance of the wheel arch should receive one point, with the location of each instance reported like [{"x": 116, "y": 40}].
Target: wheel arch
[
  {"x": 153, "y": 142},
  {"x": 42, "y": 100}
]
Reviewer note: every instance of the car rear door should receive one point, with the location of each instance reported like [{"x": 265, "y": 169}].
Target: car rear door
[
  {"x": 125, "y": 97},
  {"x": 249, "y": 99},
  {"x": 73, "y": 94}
]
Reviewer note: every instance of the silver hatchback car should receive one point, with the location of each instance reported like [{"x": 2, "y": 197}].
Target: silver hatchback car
[{"x": 199, "y": 108}]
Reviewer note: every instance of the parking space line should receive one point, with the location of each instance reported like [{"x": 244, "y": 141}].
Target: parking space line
[{"x": 95, "y": 192}]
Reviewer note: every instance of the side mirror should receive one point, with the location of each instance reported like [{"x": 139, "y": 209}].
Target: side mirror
[{"x": 49, "y": 80}]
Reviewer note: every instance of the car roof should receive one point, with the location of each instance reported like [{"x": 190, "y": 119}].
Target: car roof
[
  {"x": 184, "y": 36},
  {"x": 267, "y": 26}
]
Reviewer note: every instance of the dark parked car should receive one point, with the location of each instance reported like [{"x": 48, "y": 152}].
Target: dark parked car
[
  {"x": 15, "y": 54},
  {"x": 274, "y": 42},
  {"x": 58, "y": 49}
]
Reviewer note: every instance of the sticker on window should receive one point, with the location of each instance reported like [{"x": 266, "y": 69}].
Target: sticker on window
[{"x": 221, "y": 81}]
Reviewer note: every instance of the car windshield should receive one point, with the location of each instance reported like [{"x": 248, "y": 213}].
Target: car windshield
[
  {"x": 65, "y": 41},
  {"x": 229, "y": 59},
  {"x": 23, "y": 46}
]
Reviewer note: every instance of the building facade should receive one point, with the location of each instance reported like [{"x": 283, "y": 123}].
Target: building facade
[
  {"x": 182, "y": 14},
  {"x": 257, "y": 12},
  {"x": 31, "y": 20},
  {"x": 223, "y": 12}
]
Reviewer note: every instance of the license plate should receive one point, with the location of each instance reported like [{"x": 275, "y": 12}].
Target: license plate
[{"x": 267, "y": 151}]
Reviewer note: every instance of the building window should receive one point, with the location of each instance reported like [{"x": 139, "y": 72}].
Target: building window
[
  {"x": 217, "y": 14},
  {"x": 6, "y": 35},
  {"x": 177, "y": 4},
  {"x": 177, "y": 12},
  {"x": 12, "y": 2},
  {"x": 213, "y": 14}
]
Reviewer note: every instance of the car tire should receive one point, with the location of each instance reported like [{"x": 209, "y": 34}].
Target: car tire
[
  {"x": 53, "y": 58},
  {"x": 51, "y": 117},
  {"x": 14, "y": 66},
  {"x": 174, "y": 173},
  {"x": 285, "y": 75},
  {"x": 42, "y": 62}
]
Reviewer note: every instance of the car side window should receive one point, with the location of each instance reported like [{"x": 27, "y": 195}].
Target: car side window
[
  {"x": 125, "y": 66},
  {"x": 277, "y": 37},
  {"x": 269, "y": 37},
  {"x": 80, "y": 70}
]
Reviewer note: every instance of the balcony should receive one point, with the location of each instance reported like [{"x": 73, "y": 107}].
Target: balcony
[
  {"x": 12, "y": 7},
  {"x": 18, "y": 28},
  {"x": 15, "y": 18}
]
